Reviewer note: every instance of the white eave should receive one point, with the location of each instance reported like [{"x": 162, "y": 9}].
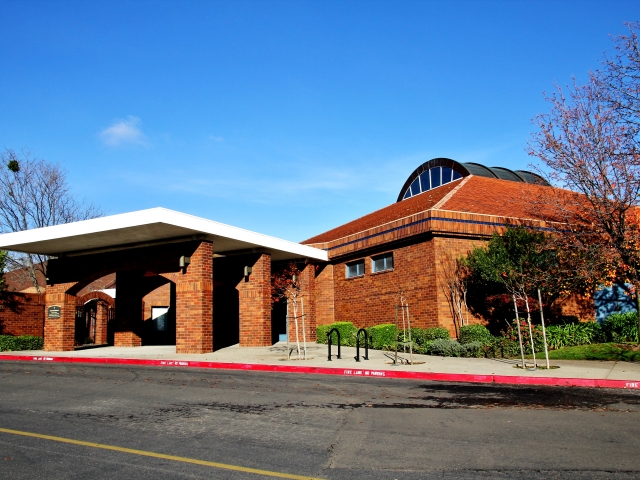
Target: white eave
[{"x": 146, "y": 227}]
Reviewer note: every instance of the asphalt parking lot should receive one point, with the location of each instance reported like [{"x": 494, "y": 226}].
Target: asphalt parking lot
[{"x": 259, "y": 425}]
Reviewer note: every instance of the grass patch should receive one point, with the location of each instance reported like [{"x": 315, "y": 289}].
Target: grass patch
[{"x": 597, "y": 351}]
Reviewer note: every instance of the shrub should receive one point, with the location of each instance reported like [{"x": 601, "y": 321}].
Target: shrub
[
  {"x": 10, "y": 343},
  {"x": 574, "y": 334},
  {"x": 511, "y": 335},
  {"x": 474, "y": 349},
  {"x": 446, "y": 347},
  {"x": 347, "y": 333},
  {"x": 434, "y": 333},
  {"x": 383, "y": 337},
  {"x": 474, "y": 333},
  {"x": 501, "y": 347},
  {"x": 621, "y": 327}
]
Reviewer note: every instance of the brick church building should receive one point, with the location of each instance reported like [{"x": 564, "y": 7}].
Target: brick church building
[{"x": 162, "y": 277}]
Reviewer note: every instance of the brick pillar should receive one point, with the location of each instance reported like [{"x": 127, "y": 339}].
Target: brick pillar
[
  {"x": 308, "y": 300},
  {"x": 194, "y": 303},
  {"x": 59, "y": 333},
  {"x": 101, "y": 323},
  {"x": 128, "y": 310},
  {"x": 255, "y": 304}
]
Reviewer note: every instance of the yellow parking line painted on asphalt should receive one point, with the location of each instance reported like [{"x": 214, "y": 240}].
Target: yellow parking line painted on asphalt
[{"x": 175, "y": 458}]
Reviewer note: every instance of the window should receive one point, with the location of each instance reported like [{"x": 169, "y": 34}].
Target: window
[
  {"x": 382, "y": 262},
  {"x": 435, "y": 177},
  {"x": 355, "y": 269}
]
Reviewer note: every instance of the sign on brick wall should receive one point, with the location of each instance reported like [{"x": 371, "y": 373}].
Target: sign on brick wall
[{"x": 53, "y": 312}]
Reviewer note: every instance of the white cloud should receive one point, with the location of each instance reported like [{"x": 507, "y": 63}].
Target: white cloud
[
  {"x": 123, "y": 132},
  {"x": 213, "y": 138}
]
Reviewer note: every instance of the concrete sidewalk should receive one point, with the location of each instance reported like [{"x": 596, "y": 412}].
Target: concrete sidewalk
[{"x": 276, "y": 355}]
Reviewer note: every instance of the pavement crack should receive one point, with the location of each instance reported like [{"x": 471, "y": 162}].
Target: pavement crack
[{"x": 332, "y": 447}]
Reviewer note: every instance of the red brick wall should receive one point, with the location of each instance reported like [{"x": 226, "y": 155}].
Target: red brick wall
[
  {"x": 160, "y": 297},
  {"x": 255, "y": 304},
  {"x": 324, "y": 295},
  {"x": 454, "y": 248},
  {"x": 578, "y": 305},
  {"x": 371, "y": 299},
  {"x": 22, "y": 314}
]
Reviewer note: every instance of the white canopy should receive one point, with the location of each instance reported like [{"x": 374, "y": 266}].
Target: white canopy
[{"x": 150, "y": 227}]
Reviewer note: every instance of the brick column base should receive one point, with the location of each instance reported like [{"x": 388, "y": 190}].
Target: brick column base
[
  {"x": 255, "y": 305},
  {"x": 126, "y": 339}
]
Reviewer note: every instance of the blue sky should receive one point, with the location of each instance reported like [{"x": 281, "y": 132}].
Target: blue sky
[{"x": 288, "y": 118}]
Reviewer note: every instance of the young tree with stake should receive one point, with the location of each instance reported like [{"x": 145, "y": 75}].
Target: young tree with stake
[{"x": 285, "y": 285}]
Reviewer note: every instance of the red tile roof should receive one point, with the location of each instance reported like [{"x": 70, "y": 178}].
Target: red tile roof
[
  {"x": 502, "y": 198},
  {"x": 402, "y": 209},
  {"x": 473, "y": 194}
]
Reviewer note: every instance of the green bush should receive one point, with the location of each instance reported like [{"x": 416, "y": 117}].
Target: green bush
[
  {"x": 574, "y": 334},
  {"x": 474, "y": 349},
  {"x": 9, "y": 343},
  {"x": 382, "y": 337},
  {"x": 621, "y": 327},
  {"x": 474, "y": 333},
  {"x": 446, "y": 347},
  {"x": 347, "y": 333},
  {"x": 421, "y": 336},
  {"x": 501, "y": 347},
  {"x": 433, "y": 333}
]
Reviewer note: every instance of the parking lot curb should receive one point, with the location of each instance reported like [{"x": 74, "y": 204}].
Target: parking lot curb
[{"x": 350, "y": 372}]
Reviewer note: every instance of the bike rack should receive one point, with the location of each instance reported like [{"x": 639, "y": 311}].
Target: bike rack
[
  {"x": 329, "y": 343},
  {"x": 366, "y": 345}
]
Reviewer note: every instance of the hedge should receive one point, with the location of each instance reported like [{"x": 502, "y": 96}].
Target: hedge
[
  {"x": 347, "y": 333},
  {"x": 383, "y": 337},
  {"x": 10, "y": 343}
]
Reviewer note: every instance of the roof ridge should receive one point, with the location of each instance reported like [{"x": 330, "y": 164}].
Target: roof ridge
[{"x": 446, "y": 198}]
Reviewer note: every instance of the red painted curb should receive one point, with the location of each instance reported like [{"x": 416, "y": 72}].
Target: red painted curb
[{"x": 442, "y": 377}]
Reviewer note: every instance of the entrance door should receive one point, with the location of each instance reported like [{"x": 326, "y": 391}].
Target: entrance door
[
  {"x": 160, "y": 317},
  {"x": 85, "y": 331},
  {"x": 161, "y": 329}
]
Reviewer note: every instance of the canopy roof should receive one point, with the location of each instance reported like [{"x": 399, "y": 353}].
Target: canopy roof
[{"x": 150, "y": 227}]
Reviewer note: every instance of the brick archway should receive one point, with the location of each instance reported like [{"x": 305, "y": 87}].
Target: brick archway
[
  {"x": 95, "y": 296},
  {"x": 99, "y": 314}
]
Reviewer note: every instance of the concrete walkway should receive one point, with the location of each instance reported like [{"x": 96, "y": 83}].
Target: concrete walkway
[{"x": 276, "y": 355}]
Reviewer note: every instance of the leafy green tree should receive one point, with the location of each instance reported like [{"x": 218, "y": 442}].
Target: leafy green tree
[{"x": 517, "y": 263}]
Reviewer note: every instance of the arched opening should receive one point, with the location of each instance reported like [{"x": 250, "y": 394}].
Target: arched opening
[{"x": 94, "y": 319}]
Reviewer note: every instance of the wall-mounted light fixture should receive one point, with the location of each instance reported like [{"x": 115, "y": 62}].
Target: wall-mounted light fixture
[
  {"x": 184, "y": 262},
  {"x": 294, "y": 278},
  {"x": 247, "y": 271}
]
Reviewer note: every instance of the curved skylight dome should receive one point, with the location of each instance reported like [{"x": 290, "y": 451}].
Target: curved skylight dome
[{"x": 440, "y": 171}]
